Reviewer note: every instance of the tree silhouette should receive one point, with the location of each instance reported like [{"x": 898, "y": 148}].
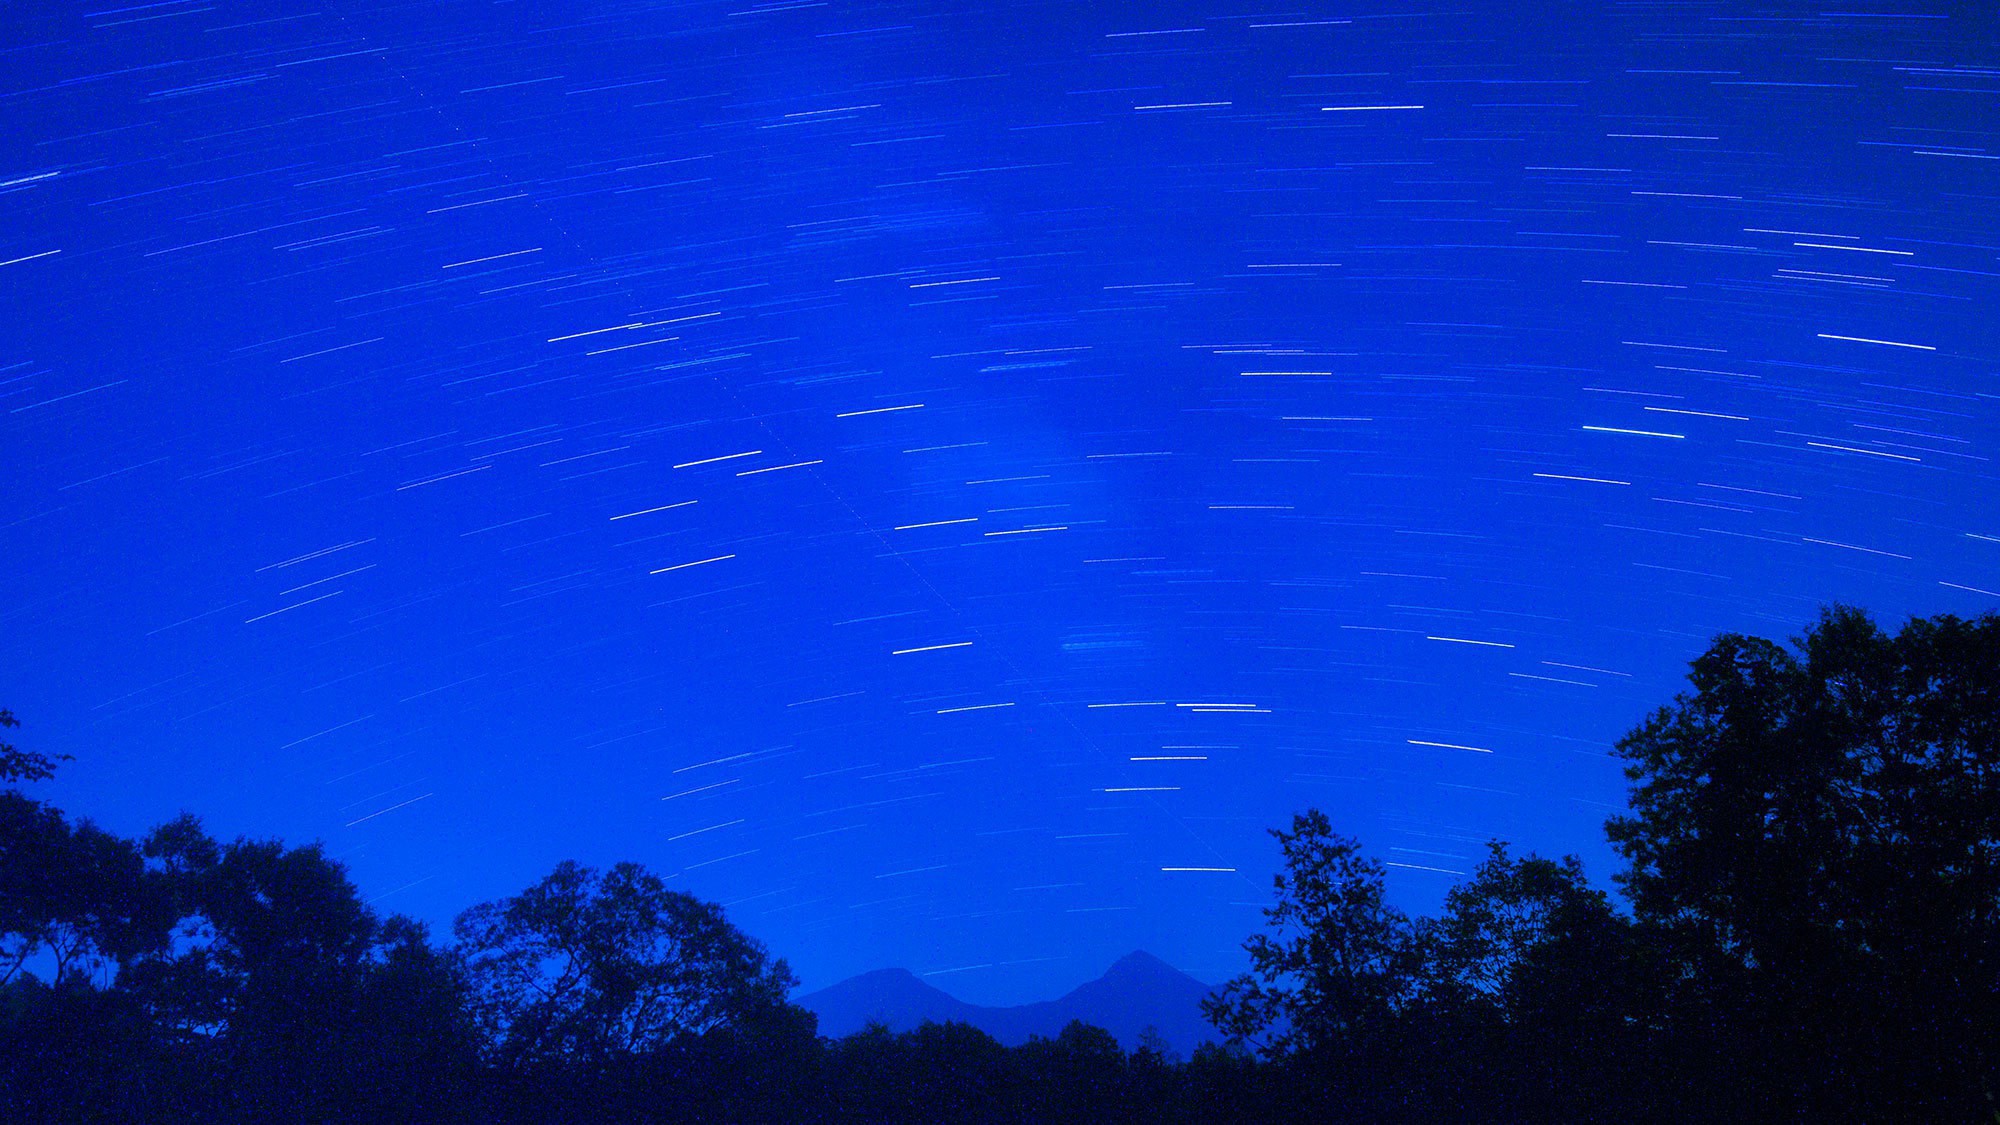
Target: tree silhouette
[
  {"x": 1813, "y": 840},
  {"x": 1530, "y": 991},
  {"x": 74, "y": 902},
  {"x": 1496, "y": 920},
  {"x": 583, "y": 967},
  {"x": 1814, "y": 934},
  {"x": 415, "y": 1046},
  {"x": 1331, "y": 976},
  {"x": 268, "y": 937},
  {"x": 72, "y": 892},
  {"x": 24, "y": 765},
  {"x": 1077, "y": 1076}
]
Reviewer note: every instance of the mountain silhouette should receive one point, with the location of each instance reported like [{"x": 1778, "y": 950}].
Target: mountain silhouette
[{"x": 1136, "y": 992}]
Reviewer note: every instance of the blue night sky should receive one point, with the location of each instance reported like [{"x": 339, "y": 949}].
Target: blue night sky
[{"x": 920, "y": 473}]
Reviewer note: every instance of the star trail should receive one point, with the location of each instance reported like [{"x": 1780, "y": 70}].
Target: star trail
[{"x": 942, "y": 479}]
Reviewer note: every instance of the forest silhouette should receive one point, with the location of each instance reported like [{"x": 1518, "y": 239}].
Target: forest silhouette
[{"x": 1804, "y": 929}]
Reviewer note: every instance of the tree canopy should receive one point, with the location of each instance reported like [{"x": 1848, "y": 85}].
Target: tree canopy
[
  {"x": 583, "y": 965},
  {"x": 1813, "y": 835},
  {"x": 1813, "y": 928},
  {"x": 1332, "y": 972},
  {"x": 23, "y": 765}
]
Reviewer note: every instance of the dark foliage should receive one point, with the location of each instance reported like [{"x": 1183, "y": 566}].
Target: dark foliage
[
  {"x": 1813, "y": 847},
  {"x": 1812, "y": 928},
  {"x": 22, "y": 765},
  {"x": 581, "y": 968},
  {"x": 1808, "y": 932}
]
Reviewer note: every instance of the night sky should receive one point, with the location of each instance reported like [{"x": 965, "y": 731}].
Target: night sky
[{"x": 943, "y": 479}]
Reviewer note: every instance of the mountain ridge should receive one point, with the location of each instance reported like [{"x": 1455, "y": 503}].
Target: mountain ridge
[{"x": 1138, "y": 991}]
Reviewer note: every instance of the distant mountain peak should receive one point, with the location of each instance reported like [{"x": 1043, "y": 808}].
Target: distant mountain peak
[
  {"x": 1141, "y": 961},
  {"x": 1138, "y": 991}
]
